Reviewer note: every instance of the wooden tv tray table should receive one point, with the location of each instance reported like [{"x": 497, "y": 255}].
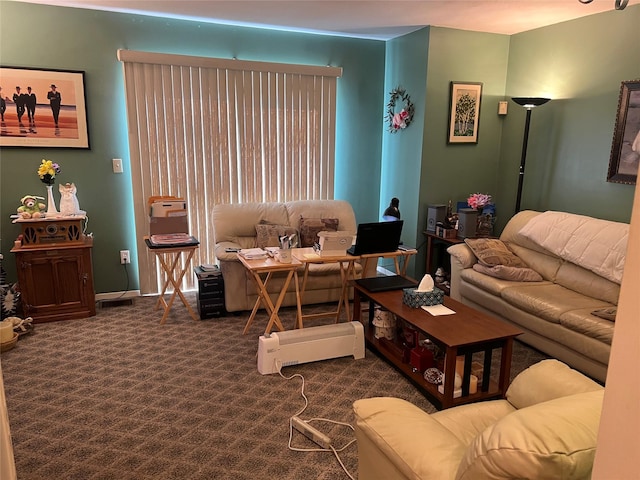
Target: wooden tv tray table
[
  {"x": 464, "y": 333},
  {"x": 308, "y": 256},
  {"x": 267, "y": 267},
  {"x": 169, "y": 258}
]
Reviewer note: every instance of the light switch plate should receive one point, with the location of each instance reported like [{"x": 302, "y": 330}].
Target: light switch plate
[
  {"x": 502, "y": 108},
  {"x": 117, "y": 165}
]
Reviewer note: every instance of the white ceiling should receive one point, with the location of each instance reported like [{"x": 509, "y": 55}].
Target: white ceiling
[{"x": 380, "y": 20}]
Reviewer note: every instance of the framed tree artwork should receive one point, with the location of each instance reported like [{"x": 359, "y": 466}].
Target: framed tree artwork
[
  {"x": 464, "y": 112},
  {"x": 625, "y": 148},
  {"x": 42, "y": 108}
]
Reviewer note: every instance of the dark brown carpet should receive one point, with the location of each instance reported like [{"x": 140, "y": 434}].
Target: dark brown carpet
[{"x": 119, "y": 396}]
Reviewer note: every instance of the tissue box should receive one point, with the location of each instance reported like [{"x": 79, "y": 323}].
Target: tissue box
[{"x": 416, "y": 299}]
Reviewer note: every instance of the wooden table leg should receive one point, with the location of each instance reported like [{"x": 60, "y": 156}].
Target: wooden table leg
[
  {"x": 261, "y": 290},
  {"x": 274, "y": 318},
  {"x": 175, "y": 282},
  {"x": 449, "y": 377},
  {"x": 298, "y": 300},
  {"x": 505, "y": 366},
  {"x": 429, "y": 254}
]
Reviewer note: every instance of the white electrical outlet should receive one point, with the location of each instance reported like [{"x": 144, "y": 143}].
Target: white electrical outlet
[{"x": 125, "y": 257}]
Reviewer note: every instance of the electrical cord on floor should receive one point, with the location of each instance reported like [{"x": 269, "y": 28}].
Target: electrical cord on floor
[{"x": 331, "y": 448}]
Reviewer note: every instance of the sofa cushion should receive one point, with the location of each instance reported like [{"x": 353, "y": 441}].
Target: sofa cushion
[
  {"x": 547, "y": 380},
  {"x": 583, "y": 321},
  {"x": 515, "y": 274},
  {"x": 493, "y": 285},
  {"x": 492, "y": 252},
  {"x": 587, "y": 283},
  {"x": 554, "y": 439},
  {"x": 548, "y": 301},
  {"x": 268, "y": 235},
  {"x": 466, "y": 422},
  {"x": 309, "y": 228}
]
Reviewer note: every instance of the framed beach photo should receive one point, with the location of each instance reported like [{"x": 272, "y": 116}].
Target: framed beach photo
[
  {"x": 625, "y": 148},
  {"x": 464, "y": 112},
  {"x": 42, "y": 108}
]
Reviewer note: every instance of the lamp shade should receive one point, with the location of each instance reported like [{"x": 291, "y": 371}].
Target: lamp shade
[{"x": 530, "y": 102}]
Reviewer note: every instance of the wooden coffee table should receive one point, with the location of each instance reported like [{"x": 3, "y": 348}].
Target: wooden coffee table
[{"x": 465, "y": 333}]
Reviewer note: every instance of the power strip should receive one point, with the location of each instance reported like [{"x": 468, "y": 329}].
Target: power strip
[{"x": 310, "y": 432}]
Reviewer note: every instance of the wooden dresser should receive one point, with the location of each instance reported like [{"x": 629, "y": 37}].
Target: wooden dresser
[{"x": 55, "y": 273}]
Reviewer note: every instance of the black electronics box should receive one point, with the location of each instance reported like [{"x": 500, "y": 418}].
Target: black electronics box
[{"x": 210, "y": 291}]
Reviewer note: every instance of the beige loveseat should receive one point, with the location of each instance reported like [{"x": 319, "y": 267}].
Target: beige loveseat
[
  {"x": 547, "y": 428},
  {"x": 235, "y": 226},
  {"x": 578, "y": 261}
]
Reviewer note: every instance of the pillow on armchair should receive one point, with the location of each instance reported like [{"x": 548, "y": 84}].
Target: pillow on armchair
[
  {"x": 268, "y": 234},
  {"x": 309, "y": 228}
]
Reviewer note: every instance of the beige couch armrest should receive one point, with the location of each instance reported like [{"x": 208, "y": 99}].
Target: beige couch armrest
[
  {"x": 547, "y": 380},
  {"x": 396, "y": 439},
  {"x": 461, "y": 257},
  {"x": 222, "y": 254}
]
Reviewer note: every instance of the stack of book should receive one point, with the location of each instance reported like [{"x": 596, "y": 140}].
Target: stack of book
[{"x": 207, "y": 270}]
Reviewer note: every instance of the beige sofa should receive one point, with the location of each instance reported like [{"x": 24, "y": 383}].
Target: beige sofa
[
  {"x": 547, "y": 428},
  {"x": 580, "y": 261},
  {"x": 235, "y": 227}
]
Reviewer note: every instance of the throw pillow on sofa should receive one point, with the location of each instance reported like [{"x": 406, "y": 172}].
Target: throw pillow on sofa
[
  {"x": 309, "y": 228},
  {"x": 268, "y": 235},
  {"x": 608, "y": 313},
  {"x": 515, "y": 274},
  {"x": 492, "y": 252}
]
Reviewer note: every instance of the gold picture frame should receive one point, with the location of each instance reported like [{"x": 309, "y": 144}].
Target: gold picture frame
[
  {"x": 625, "y": 147},
  {"x": 464, "y": 112},
  {"x": 43, "y": 108}
]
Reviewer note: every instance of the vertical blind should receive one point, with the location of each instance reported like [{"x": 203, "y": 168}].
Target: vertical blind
[{"x": 224, "y": 131}]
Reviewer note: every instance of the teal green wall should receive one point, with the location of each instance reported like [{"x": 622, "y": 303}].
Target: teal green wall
[
  {"x": 454, "y": 171},
  {"x": 77, "y": 39},
  {"x": 580, "y": 65},
  {"x": 406, "y": 66}
]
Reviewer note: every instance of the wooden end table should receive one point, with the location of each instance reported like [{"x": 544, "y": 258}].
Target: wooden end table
[{"x": 466, "y": 332}]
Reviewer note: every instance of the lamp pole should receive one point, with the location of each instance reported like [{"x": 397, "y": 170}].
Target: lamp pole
[
  {"x": 529, "y": 103},
  {"x": 523, "y": 158}
]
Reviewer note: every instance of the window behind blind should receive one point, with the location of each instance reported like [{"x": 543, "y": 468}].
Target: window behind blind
[{"x": 224, "y": 131}]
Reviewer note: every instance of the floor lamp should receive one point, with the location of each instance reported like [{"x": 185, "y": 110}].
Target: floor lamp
[{"x": 529, "y": 103}]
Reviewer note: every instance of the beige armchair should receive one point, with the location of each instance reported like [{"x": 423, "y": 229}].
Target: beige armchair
[{"x": 546, "y": 428}]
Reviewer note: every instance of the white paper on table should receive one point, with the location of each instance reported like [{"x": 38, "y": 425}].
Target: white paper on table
[{"x": 437, "y": 310}]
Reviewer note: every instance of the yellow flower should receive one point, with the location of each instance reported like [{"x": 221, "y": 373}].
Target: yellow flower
[{"x": 47, "y": 171}]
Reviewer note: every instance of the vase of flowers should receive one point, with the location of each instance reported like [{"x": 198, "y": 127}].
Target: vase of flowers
[
  {"x": 486, "y": 213},
  {"x": 47, "y": 173}
]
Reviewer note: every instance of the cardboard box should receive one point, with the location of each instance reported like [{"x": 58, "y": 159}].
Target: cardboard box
[
  {"x": 167, "y": 215},
  {"x": 166, "y": 225}
]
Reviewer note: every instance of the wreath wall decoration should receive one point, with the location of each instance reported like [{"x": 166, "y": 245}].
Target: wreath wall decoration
[{"x": 399, "y": 120}]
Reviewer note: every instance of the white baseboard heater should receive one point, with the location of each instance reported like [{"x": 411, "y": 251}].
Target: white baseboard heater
[{"x": 311, "y": 344}]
